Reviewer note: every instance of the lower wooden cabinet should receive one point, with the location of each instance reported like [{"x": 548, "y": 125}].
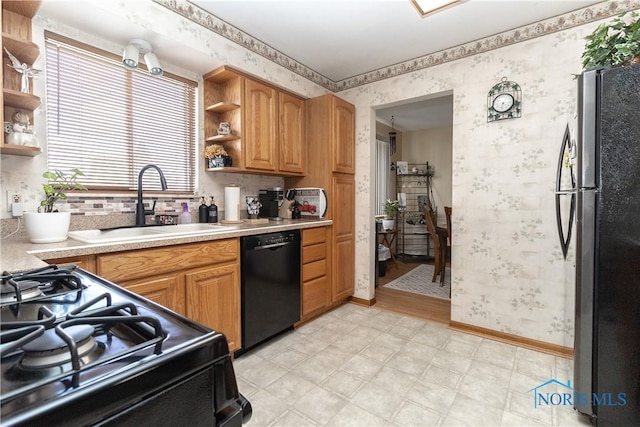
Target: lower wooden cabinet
[
  {"x": 213, "y": 299},
  {"x": 343, "y": 267},
  {"x": 167, "y": 290},
  {"x": 198, "y": 280},
  {"x": 316, "y": 283}
]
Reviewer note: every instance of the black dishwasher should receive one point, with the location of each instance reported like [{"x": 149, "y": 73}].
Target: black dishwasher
[{"x": 270, "y": 285}]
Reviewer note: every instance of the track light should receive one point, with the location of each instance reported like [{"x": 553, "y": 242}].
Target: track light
[
  {"x": 153, "y": 64},
  {"x": 130, "y": 57},
  {"x": 134, "y": 49}
]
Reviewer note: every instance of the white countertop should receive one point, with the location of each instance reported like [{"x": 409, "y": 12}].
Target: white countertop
[{"x": 20, "y": 254}]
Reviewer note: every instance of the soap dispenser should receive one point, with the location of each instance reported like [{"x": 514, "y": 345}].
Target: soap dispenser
[
  {"x": 213, "y": 212},
  {"x": 203, "y": 212},
  {"x": 185, "y": 217}
]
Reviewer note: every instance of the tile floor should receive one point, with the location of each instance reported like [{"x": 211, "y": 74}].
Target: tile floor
[{"x": 358, "y": 366}]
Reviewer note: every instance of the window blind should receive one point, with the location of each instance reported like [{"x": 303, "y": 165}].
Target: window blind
[
  {"x": 110, "y": 122},
  {"x": 383, "y": 162}
]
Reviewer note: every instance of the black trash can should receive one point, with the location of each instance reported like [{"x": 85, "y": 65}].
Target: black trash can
[
  {"x": 382, "y": 268},
  {"x": 383, "y": 255}
]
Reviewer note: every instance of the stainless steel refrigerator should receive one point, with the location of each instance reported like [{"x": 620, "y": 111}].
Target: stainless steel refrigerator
[{"x": 606, "y": 200}]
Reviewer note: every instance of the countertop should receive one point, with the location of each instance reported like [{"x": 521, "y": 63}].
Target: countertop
[{"x": 20, "y": 254}]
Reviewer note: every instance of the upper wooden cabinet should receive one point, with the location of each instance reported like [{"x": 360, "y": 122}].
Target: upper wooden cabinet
[
  {"x": 343, "y": 134},
  {"x": 267, "y": 124},
  {"x": 292, "y": 132},
  {"x": 259, "y": 121},
  {"x": 16, "y": 37}
]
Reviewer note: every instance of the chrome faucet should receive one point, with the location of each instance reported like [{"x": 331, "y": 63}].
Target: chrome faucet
[{"x": 141, "y": 212}]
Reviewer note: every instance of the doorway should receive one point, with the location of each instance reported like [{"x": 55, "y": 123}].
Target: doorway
[{"x": 422, "y": 129}]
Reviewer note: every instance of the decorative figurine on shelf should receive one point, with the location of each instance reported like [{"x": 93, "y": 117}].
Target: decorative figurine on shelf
[
  {"x": 21, "y": 131},
  {"x": 253, "y": 206},
  {"x": 224, "y": 129},
  {"x": 23, "y": 69}
]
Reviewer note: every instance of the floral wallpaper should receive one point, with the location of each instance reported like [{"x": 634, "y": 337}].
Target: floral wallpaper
[{"x": 508, "y": 273}]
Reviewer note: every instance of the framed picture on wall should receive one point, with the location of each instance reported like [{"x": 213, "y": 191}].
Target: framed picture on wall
[{"x": 402, "y": 168}]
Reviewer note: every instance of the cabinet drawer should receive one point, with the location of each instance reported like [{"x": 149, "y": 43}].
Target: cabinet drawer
[
  {"x": 315, "y": 295},
  {"x": 149, "y": 262},
  {"x": 314, "y": 253},
  {"x": 311, "y": 236},
  {"x": 314, "y": 269}
]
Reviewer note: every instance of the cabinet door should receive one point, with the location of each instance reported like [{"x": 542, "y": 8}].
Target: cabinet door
[
  {"x": 213, "y": 299},
  {"x": 343, "y": 140},
  {"x": 87, "y": 262},
  {"x": 343, "y": 214},
  {"x": 291, "y": 128},
  {"x": 315, "y": 295},
  {"x": 260, "y": 123},
  {"x": 166, "y": 290}
]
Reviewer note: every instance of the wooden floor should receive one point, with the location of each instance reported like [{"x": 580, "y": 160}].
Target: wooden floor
[{"x": 423, "y": 307}]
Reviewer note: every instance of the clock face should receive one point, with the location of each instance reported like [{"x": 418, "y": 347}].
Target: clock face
[{"x": 503, "y": 102}]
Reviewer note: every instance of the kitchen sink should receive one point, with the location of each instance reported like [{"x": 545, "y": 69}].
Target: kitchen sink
[{"x": 127, "y": 234}]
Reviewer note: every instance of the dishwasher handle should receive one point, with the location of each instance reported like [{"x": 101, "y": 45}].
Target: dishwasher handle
[{"x": 274, "y": 245}]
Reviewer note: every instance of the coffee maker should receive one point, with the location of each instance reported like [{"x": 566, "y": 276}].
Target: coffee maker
[{"x": 271, "y": 199}]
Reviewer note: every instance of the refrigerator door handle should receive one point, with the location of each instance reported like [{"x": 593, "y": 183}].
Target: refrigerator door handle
[
  {"x": 585, "y": 309},
  {"x": 564, "y": 162}
]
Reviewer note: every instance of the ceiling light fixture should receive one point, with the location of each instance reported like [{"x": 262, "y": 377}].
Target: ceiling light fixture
[
  {"x": 429, "y": 7},
  {"x": 132, "y": 52}
]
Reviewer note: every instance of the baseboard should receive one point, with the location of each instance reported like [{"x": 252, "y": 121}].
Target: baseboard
[
  {"x": 362, "y": 301},
  {"x": 544, "y": 347}
]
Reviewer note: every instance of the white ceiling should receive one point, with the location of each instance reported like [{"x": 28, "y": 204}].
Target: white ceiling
[
  {"x": 336, "y": 38},
  {"x": 343, "y": 38}
]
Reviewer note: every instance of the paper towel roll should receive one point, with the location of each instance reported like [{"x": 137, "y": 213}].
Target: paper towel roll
[{"x": 231, "y": 203}]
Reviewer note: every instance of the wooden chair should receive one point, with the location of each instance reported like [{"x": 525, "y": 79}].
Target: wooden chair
[
  {"x": 447, "y": 212},
  {"x": 439, "y": 238}
]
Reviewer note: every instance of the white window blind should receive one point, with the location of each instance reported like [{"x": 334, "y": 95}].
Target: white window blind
[
  {"x": 110, "y": 122},
  {"x": 383, "y": 162}
]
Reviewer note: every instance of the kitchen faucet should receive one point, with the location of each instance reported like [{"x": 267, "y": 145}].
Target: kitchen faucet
[{"x": 141, "y": 212}]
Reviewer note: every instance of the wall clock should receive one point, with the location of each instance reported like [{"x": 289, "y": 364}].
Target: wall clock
[{"x": 504, "y": 101}]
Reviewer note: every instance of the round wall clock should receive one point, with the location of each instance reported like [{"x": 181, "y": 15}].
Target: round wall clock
[{"x": 504, "y": 101}]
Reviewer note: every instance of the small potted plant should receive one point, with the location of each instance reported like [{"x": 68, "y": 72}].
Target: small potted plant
[
  {"x": 216, "y": 156},
  {"x": 390, "y": 210},
  {"x": 47, "y": 225},
  {"x": 613, "y": 43}
]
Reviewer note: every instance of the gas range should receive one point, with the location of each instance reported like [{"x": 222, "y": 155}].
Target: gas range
[{"x": 79, "y": 350}]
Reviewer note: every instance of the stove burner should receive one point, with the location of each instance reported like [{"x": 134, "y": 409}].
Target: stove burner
[
  {"x": 50, "y": 349},
  {"x": 44, "y": 283},
  {"x": 28, "y": 289}
]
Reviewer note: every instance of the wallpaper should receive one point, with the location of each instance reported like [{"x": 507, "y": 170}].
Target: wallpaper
[{"x": 508, "y": 272}]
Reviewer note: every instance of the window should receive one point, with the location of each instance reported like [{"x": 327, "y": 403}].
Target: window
[
  {"x": 110, "y": 122},
  {"x": 383, "y": 161}
]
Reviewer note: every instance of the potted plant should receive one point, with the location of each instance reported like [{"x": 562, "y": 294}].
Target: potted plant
[
  {"x": 216, "y": 156},
  {"x": 613, "y": 43},
  {"x": 390, "y": 210},
  {"x": 47, "y": 225}
]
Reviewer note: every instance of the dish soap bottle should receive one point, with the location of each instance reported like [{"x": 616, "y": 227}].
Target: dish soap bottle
[
  {"x": 213, "y": 212},
  {"x": 203, "y": 212},
  {"x": 185, "y": 217}
]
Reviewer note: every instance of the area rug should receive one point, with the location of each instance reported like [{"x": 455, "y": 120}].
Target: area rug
[{"x": 419, "y": 281}]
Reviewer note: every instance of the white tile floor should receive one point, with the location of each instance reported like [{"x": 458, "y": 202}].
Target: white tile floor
[{"x": 358, "y": 366}]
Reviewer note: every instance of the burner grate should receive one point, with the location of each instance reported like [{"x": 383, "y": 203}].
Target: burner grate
[{"x": 44, "y": 283}]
